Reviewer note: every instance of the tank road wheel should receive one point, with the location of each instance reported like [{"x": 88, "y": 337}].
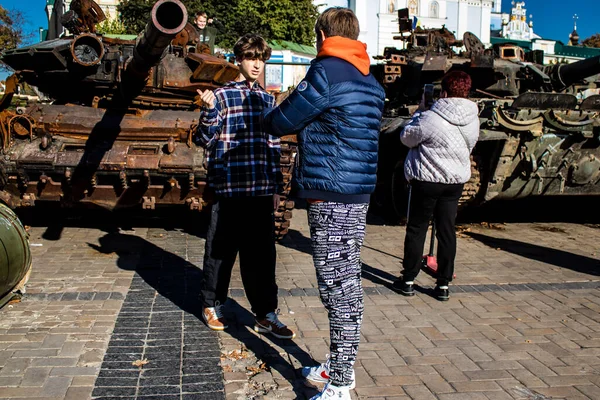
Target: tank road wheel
[{"x": 283, "y": 214}]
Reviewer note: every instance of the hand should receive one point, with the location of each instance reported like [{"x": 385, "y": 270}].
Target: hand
[
  {"x": 210, "y": 21},
  {"x": 207, "y": 98},
  {"x": 423, "y": 105},
  {"x": 276, "y": 200}
]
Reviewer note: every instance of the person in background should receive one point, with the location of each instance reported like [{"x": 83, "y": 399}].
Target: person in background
[
  {"x": 437, "y": 166},
  {"x": 243, "y": 170},
  {"x": 206, "y": 34},
  {"x": 336, "y": 111}
]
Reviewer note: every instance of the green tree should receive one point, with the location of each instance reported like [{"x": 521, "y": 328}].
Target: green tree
[
  {"x": 111, "y": 26},
  {"x": 134, "y": 14},
  {"x": 291, "y": 20},
  {"x": 11, "y": 29},
  {"x": 592, "y": 41}
]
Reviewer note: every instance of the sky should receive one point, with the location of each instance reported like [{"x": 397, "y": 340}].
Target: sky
[{"x": 552, "y": 19}]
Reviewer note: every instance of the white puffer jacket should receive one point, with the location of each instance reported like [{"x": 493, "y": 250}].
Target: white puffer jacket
[{"x": 441, "y": 140}]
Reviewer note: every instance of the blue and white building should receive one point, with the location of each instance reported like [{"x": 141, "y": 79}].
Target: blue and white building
[{"x": 379, "y": 19}]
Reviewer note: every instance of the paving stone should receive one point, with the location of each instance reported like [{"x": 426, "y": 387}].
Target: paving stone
[
  {"x": 10, "y": 381},
  {"x": 78, "y": 393},
  {"x": 535, "y": 330},
  {"x": 56, "y": 386},
  {"x": 35, "y": 376}
]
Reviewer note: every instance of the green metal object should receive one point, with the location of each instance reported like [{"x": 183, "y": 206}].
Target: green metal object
[{"x": 15, "y": 255}]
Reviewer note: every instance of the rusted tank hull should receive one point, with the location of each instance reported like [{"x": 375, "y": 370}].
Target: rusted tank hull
[
  {"x": 109, "y": 158},
  {"x": 84, "y": 156}
]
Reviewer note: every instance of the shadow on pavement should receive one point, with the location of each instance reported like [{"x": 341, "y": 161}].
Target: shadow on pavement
[
  {"x": 241, "y": 323},
  {"x": 55, "y": 219},
  {"x": 178, "y": 280},
  {"x": 377, "y": 276},
  {"x": 297, "y": 241},
  {"x": 571, "y": 209},
  {"x": 167, "y": 273},
  {"x": 559, "y": 258}
]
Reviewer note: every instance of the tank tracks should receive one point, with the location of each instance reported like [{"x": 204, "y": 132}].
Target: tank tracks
[
  {"x": 472, "y": 187},
  {"x": 283, "y": 214}
]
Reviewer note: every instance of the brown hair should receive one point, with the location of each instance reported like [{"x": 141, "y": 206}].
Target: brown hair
[
  {"x": 201, "y": 14},
  {"x": 456, "y": 84},
  {"x": 338, "y": 21},
  {"x": 251, "y": 46}
]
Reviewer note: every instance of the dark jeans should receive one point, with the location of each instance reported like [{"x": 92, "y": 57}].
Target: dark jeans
[
  {"x": 440, "y": 201},
  {"x": 244, "y": 225}
]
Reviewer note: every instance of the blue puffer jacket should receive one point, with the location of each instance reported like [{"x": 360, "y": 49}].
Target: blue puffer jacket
[{"x": 336, "y": 111}]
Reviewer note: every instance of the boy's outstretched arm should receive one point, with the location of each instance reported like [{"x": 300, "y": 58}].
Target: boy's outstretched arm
[
  {"x": 211, "y": 120},
  {"x": 306, "y": 102}
]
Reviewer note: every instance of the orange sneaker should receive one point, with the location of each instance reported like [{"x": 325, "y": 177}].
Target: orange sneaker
[
  {"x": 213, "y": 316},
  {"x": 271, "y": 324}
]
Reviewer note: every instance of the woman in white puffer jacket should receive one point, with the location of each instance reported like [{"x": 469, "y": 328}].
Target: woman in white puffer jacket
[{"x": 437, "y": 166}]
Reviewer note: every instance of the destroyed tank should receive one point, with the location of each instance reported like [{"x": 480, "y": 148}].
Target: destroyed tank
[
  {"x": 540, "y": 124},
  {"x": 119, "y": 131}
]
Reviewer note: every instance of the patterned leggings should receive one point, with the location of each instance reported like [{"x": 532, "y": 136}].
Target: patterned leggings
[{"x": 337, "y": 231}]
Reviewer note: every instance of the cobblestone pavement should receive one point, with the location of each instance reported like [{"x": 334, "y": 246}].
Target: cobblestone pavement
[{"x": 523, "y": 320}]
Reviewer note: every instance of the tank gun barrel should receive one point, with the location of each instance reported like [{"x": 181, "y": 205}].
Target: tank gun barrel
[
  {"x": 167, "y": 19},
  {"x": 567, "y": 74}
]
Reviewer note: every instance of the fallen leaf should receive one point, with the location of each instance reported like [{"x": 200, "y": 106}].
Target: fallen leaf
[
  {"x": 235, "y": 355},
  {"x": 15, "y": 300},
  {"x": 252, "y": 370},
  {"x": 140, "y": 363},
  {"x": 490, "y": 225}
]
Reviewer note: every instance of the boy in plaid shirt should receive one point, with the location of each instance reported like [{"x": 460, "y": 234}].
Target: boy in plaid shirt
[{"x": 243, "y": 169}]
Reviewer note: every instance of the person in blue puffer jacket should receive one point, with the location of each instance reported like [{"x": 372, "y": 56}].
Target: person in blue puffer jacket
[{"x": 336, "y": 111}]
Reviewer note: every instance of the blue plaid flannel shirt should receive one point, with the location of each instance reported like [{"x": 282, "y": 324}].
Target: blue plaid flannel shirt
[{"x": 242, "y": 159}]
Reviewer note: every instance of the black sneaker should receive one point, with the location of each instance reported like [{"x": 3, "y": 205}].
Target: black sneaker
[
  {"x": 405, "y": 289},
  {"x": 441, "y": 294}
]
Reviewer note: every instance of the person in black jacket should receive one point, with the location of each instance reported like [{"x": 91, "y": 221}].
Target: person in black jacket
[
  {"x": 336, "y": 111},
  {"x": 206, "y": 34}
]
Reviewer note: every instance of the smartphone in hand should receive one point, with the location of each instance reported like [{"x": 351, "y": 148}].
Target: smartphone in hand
[{"x": 428, "y": 95}]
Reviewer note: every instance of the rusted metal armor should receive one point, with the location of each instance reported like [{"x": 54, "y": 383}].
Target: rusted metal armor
[{"x": 119, "y": 129}]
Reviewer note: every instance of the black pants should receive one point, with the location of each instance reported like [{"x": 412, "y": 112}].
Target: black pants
[
  {"x": 244, "y": 225},
  {"x": 440, "y": 201}
]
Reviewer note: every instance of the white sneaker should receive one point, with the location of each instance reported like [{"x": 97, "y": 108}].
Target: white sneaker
[
  {"x": 331, "y": 392},
  {"x": 320, "y": 373}
]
